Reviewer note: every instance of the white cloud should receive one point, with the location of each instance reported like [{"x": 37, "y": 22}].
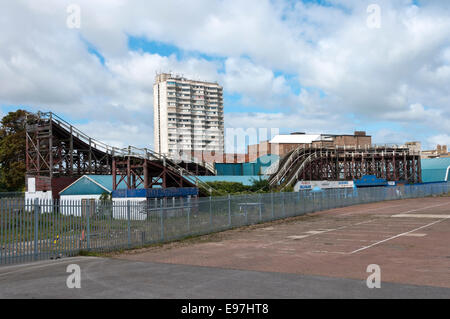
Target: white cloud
[
  {"x": 397, "y": 74},
  {"x": 441, "y": 139},
  {"x": 258, "y": 85},
  {"x": 289, "y": 122},
  {"x": 387, "y": 136},
  {"x": 118, "y": 134}
]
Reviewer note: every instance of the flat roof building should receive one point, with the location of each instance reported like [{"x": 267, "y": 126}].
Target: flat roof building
[
  {"x": 188, "y": 116},
  {"x": 284, "y": 143}
]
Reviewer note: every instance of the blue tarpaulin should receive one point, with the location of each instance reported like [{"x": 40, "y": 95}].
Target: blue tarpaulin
[
  {"x": 370, "y": 181},
  {"x": 155, "y": 192}
]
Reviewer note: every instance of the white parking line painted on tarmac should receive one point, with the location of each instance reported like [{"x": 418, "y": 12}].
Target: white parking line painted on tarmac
[
  {"x": 317, "y": 233},
  {"x": 421, "y": 216},
  {"x": 297, "y": 237},
  {"x": 328, "y": 252},
  {"x": 396, "y": 236}
]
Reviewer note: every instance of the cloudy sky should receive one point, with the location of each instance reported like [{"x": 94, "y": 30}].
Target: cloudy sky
[{"x": 313, "y": 66}]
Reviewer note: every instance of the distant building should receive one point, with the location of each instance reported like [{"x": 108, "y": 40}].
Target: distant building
[
  {"x": 188, "y": 116},
  {"x": 253, "y": 168},
  {"x": 440, "y": 151},
  {"x": 414, "y": 146},
  {"x": 260, "y": 158},
  {"x": 282, "y": 144}
]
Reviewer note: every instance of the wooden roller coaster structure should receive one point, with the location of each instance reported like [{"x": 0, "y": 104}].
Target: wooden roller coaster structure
[
  {"x": 57, "y": 154},
  {"x": 346, "y": 163}
]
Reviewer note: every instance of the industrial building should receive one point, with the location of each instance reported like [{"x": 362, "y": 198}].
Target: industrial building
[
  {"x": 282, "y": 144},
  {"x": 188, "y": 116},
  {"x": 254, "y": 168}
]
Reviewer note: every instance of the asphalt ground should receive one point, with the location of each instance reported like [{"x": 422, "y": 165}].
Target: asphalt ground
[{"x": 322, "y": 255}]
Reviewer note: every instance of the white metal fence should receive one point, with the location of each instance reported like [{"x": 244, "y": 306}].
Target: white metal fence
[{"x": 42, "y": 229}]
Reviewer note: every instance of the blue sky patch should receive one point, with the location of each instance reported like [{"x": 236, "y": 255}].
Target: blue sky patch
[
  {"x": 93, "y": 50},
  {"x": 141, "y": 44}
]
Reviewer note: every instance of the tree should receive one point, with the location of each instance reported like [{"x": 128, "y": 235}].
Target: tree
[
  {"x": 104, "y": 207},
  {"x": 260, "y": 185},
  {"x": 105, "y": 197},
  {"x": 223, "y": 188},
  {"x": 12, "y": 151}
]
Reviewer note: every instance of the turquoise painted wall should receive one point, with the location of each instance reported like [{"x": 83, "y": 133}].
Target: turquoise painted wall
[
  {"x": 245, "y": 180},
  {"x": 246, "y": 169},
  {"x": 434, "y": 169}
]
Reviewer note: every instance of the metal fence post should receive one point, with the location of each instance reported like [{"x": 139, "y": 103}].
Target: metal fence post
[
  {"x": 304, "y": 201},
  {"x": 229, "y": 210},
  {"x": 129, "y": 222},
  {"x": 162, "y": 220},
  {"x": 271, "y": 204},
  {"x": 246, "y": 216},
  {"x": 210, "y": 211},
  {"x": 189, "y": 214},
  {"x": 260, "y": 207},
  {"x": 88, "y": 226},
  {"x": 36, "y": 227},
  {"x": 284, "y": 208},
  {"x": 322, "y": 193},
  {"x": 313, "y": 202}
]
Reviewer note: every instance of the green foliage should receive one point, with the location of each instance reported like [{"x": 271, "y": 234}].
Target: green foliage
[
  {"x": 260, "y": 186},
  {"x": 105, "y": 197},
  {"x": 104, "y": 208},
  {"x": 12, "y": 150},
  {"x": 224, "y": 188}
]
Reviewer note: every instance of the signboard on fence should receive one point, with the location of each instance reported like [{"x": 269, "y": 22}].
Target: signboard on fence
[{"x": 308, "y": 185}]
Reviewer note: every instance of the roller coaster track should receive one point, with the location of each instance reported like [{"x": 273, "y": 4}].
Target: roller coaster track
[
  {"x": 294, "y": 177},
  {"x": 56, "y": 148},
  {"x": 285, "y": 166},
  {"x": 393, "y": 163}
]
